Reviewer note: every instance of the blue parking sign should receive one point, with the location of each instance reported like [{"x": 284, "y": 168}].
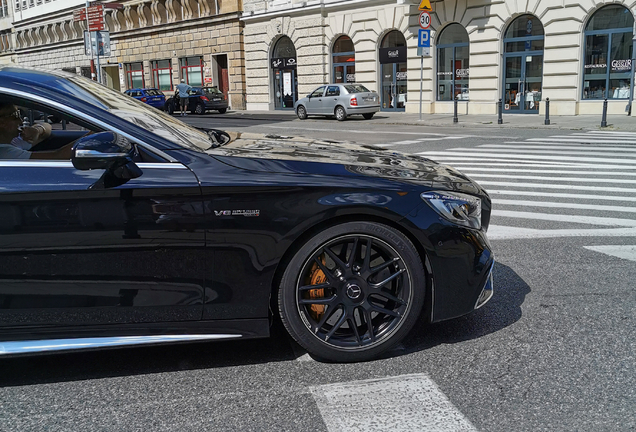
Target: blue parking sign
[{"x": 424, "y": 39}]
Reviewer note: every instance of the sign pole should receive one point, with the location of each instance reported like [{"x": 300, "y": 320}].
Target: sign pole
[
  {"x": 88, "y": 29},
  {"x": 631, "y": 86},
  {"x": 421, "y": 80}
]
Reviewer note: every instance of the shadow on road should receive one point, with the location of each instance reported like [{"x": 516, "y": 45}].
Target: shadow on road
[{"x": 503, "y": 310}]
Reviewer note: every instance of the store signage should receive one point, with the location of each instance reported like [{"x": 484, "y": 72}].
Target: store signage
[
  {"x": 283, "y": 62},
  {"x": 400, "y": 75},
  {"x": 596, "y": 66},
  {"x": 462, "y": 72},
  {"x": 393, "y": 55},
  {"x": 351, "y": 78},
  {"x": 621, "y": 65}
]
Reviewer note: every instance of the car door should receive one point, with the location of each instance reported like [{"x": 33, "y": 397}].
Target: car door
[
  {"x": 332, "y": 96},
  {"x": 77, "y": 253},
  {"x": 314, "y": 102}
]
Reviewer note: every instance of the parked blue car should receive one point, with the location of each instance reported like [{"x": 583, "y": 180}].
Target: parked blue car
[{"x": 152, "y": 96}]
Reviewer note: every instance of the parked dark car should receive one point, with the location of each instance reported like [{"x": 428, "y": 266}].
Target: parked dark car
[
  {"x": 201, "y": 100},
  {"x": 151, "y": 96},
  {"x": 158, "y": 232}
]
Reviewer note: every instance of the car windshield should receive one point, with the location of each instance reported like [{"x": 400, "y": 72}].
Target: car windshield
[
  {"x": 153, "y": 92},
  {"x": 212, "y": 90},
  {"x": 356, "y": 88},
  {"x": 140, "y": 114}
]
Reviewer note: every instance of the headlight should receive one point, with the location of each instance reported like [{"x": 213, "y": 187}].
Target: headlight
[{"x": 462, "y": 209}]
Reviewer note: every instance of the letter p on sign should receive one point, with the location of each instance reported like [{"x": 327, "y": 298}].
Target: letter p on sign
[{"x": 424, "y": 39}]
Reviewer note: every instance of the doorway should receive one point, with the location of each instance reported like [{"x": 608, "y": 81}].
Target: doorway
[
  {"x": 523, "y": 65},
  {"x": 393, "y": 71},
  {"x": 285, "y": 78}
]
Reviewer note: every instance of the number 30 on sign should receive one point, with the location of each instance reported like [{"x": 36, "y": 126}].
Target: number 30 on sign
[{"x": 425, "y": 20}]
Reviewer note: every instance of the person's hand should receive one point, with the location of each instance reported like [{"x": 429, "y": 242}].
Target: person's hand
[{"x": 36, "y": 133}]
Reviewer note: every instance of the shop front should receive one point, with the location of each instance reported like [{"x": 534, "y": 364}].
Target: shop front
[
  {"x": 284, "y": 73},
  {"x": 523, "y": 65},
  {"x": 393, "y": 71}
]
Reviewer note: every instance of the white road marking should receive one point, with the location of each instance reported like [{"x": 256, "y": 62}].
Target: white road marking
[
  {"x": 590, "y": 140},
  {"x": 507, "y": 151},
  {"x": 527, "y": 203},
  {"x": 563, "y": 179},
  {"x": 627, "y": 149},
  {"x": 535, "y": 158},
  {"x": 562, "y": 195},
  {"x": 619, "y": 251},
  {"x": 469, "y": 170},
  {"x": 474, "y": 162},
  {"x": 404, "y": 403},
  {"x": 589, "y": 220},
  {"x": 558, "y": 186},
  {"x": 501, "y": 232}
]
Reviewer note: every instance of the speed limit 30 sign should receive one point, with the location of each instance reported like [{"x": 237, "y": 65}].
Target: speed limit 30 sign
[{"x": 425, "y": 20}]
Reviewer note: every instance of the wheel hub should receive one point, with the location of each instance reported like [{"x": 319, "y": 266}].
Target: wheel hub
[{"x": 354, "y": 292}]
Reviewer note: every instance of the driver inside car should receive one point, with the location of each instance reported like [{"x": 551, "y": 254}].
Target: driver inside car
[{"x": 16, "y": 141}]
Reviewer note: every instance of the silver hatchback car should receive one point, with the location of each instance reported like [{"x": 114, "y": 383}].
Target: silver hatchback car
[{"x": 340, "y": 100}]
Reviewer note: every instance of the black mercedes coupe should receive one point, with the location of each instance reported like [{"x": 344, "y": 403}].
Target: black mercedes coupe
[{"x": 157, "y": 232}]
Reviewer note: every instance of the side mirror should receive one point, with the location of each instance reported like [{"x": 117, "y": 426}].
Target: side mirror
[{"x": 108, "y": 151}]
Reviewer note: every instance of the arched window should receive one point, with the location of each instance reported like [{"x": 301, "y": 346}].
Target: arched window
[
  {"x": 285, "y": 80},
  {"x": 344, "y": 60},
  {"x": 393, "y": 70},
  {"x": 452, "y": 63},
  {"x": 523, "y": 65},
  {"x": 608, "y": 51}
]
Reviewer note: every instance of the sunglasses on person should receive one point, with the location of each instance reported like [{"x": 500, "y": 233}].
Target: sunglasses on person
[{"x": 15, "y": 114}]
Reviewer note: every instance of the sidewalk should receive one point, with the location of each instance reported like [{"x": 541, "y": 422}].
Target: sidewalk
[{"x": 510, "y": 121}]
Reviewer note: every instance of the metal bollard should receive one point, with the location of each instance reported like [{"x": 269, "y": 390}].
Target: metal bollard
[
  {"x": 604, "y": 118},
  {"x": 547, "y": 111},
  {"x": 455, "y": 120},
  {"x": 499, "y": 109}
]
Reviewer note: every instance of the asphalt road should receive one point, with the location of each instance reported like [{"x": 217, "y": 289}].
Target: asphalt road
[{"x": 554, "y": 350}]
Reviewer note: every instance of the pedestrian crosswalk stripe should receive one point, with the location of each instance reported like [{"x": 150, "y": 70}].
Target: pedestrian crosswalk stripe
[
  {"x": 589, "y": 220},
  {"x": 581, "y": 140},
  {"x": 558, "y": 186},
  {"x": 507, "y": 145},
  {"x": 547, "y": 204},
  {"x": 399, "y": 404},
  {"x": 548, "y": 151},
  {"x": 477, "y": 176},
  {"x": 500, "y": 232},
  {"x": 589, "y": 197},
  {"x": 460, "y": 162},
  {"x": 471, "y": 169},
  {"x": 613, "y": 133},
  {"x": 533, "y": 157},
  {"x": 627, "y": 252}
]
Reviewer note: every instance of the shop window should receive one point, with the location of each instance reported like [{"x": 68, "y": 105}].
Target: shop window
[
  {"x": 344, "y": 61},
  {"x": 607, "y": 58},
  {"x": 192, "y": 70},
  {"x": 162, "y": 74},
  {"x": 135, "y": 75},
  {"x": 452, "y": 63}
]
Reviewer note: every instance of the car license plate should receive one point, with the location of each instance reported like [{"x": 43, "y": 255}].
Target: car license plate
[{"x": 216, "y": 99}]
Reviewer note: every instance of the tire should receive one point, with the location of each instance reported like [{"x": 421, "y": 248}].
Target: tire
[
  {"x": 222, "y": 110},
  {"x": 199, "y": 109},
  {"x": 301, "y": 112},
  {"x": 170, "y": 108},
  {"x": 327, "y": 299},
  {"x": 340, "y": 113},
  {"x": 368, "y": 116}
]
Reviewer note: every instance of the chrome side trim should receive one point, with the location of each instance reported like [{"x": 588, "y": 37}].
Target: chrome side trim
[
  {"x": 95, "y": 153},
  {"x": 93, "y": 120},
  {"x": 68, "y": 164},
  {"x": 35, "y": 346}
]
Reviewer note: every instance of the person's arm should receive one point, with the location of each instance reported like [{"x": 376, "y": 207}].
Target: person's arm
[{"x": 63, "y": 153}]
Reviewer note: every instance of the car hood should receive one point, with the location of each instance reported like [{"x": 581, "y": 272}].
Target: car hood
[{"x": 285, "y": 154}]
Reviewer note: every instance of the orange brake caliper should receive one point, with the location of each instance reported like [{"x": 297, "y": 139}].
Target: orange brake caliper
[{"x": 316, "y": 277}]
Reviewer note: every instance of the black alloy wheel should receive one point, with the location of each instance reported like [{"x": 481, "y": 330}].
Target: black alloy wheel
[
  {"x": 170, "y": 107},
  {"x": 199, "y": 109},
  {"x": 222, "y": 110},
  {"x": 368, "y": 116},
  {"x": 340, "y": 113},
  {"x": 301, "y": 112},
  {"x": 352, "y": 291}
]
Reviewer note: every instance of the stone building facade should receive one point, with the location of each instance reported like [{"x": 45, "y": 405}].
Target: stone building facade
[
  {"x": 575, "y": 54},
  {"x": 153, "y": 44},
  {"x": 7, "y": 41}
]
